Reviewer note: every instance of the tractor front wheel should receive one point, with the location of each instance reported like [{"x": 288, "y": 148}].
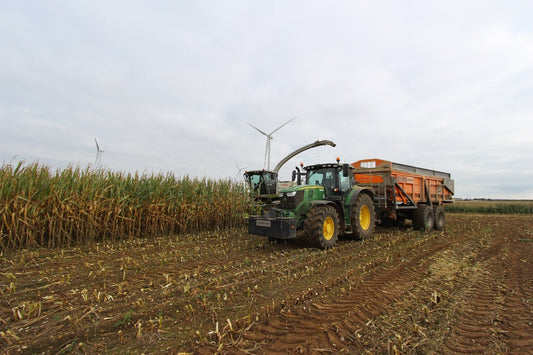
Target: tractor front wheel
[{"x": 322, "y": 226}]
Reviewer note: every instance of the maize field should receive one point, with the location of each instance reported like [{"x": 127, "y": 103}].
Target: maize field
[{"x": 76, "y": 206}]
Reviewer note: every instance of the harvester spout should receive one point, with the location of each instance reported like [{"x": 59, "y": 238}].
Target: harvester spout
[{"x": 302, "y": 149}]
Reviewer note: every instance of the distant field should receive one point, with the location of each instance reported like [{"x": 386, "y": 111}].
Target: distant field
[{"x": 492, "y": 206}]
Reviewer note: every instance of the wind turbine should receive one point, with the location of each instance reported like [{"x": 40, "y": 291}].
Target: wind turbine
[
  {"x": 98, "y": 154},
  {"x": 268, "y": 138},
  {"x": 238, "y": 172}
]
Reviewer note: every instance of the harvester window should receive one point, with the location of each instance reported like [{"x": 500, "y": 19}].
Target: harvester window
[{"x": 268, "y": 177}]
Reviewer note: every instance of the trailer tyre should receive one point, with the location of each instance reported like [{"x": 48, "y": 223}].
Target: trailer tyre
[
  {"x": 322, "y": 226},
  {"x": 363, "y": 217},
  {"x": 440, "y": 217},
  {"x": 423, "y": 219}
]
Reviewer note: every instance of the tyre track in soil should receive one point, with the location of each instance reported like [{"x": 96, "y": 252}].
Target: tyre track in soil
[
  {"x": 479, "y": 307},
  {"x": 331, "y": 327},
  {"x": 495, "y": 312},
  {"x": 489, "y": 307},
  {"x": 518, "y": 312}
]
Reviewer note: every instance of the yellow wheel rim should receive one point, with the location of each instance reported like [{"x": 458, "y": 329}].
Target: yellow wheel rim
[
  {"x": 329, "y": 228},
  {"x": 364, "y": 217}
]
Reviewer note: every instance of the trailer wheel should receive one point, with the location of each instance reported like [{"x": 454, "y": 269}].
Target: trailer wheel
[
  {"x": 363, "y": 217},
  {"x": 423, "y": 218},
  {"x": 322, "y": 226},
  {"x": 440, "y": 217}
]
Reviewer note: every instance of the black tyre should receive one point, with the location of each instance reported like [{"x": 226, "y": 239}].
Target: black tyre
[
  {"x": 322, "y": 226},
  {"x": 363, "y": 217},
  {"x": 423, "y": 218},
  {"x": 440, "y": 218}
]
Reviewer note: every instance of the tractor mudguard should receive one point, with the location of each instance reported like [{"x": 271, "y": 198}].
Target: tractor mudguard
[
  {"x": 350, "y": 200},
  {"x": 352, "y": 196}
]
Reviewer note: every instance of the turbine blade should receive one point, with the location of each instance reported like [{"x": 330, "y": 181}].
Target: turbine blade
[
  {"x": 292, "y": 119},
  {"x": 251, "y": 125},
  {"x": 97, "y": 146}
]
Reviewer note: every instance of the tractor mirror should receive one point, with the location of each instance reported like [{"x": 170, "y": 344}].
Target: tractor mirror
[
  {"x": 345, "y": 170},
  {"x": 293, "y": 175}
]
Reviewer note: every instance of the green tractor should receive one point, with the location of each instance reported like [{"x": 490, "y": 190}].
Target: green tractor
[{"x": 328, "y": 205}]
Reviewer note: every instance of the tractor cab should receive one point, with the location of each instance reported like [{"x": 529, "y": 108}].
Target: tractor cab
[{"x": 335, "y": 178}]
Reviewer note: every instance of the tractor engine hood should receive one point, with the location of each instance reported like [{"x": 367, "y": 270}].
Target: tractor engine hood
[
  {"x": 293, "y": 189},
  {"x": 293, "y": 198}
]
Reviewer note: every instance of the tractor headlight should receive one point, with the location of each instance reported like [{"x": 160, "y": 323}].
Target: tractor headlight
[{"x": 290, "y": 194}]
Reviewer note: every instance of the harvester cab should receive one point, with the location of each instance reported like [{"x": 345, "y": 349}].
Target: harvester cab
[{"x": 262, "y": 184}]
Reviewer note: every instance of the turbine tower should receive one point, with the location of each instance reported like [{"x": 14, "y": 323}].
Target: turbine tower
[
  {"x": 98, "y": 154},
  {"x": 268, "y": 138}
]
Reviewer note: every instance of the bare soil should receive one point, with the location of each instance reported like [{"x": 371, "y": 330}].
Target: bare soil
[{"x": 465, "y": 290}]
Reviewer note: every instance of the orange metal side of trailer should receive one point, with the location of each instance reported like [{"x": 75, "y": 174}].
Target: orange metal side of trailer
[{"x": 404, "y": 185}]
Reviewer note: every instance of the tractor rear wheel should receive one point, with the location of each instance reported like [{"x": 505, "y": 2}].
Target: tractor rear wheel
[
  {"x": 363, "y": 217},
  {"x": 423, "y": 218},
  {"x": 322, "y": 226},
  {"x": 440, "y": 218}
]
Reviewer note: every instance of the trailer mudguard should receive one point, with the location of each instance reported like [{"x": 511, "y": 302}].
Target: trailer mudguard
[{"x": 275, "y": 228}]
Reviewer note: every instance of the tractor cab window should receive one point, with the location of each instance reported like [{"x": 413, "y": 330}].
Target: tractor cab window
[
  {"x": 344, "y": 182},
  {"x": 324, "y": 178}
]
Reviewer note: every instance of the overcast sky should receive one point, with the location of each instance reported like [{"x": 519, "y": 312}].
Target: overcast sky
[{"x": 169, "y": 86}]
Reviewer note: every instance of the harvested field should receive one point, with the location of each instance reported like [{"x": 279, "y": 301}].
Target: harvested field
[{"x": 468, "y": 289}]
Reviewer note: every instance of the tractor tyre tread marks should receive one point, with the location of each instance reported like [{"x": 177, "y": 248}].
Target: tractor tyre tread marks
[{"x": 314, "y": 226}]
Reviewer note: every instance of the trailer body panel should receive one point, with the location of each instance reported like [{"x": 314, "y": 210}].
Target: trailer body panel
[{"x": 404, "y": 185}]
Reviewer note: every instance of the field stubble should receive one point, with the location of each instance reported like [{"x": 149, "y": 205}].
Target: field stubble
[{"x": 466, "y": 289}]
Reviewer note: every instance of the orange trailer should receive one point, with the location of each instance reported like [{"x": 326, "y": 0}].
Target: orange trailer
[{"x": 406, "y": 192}]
